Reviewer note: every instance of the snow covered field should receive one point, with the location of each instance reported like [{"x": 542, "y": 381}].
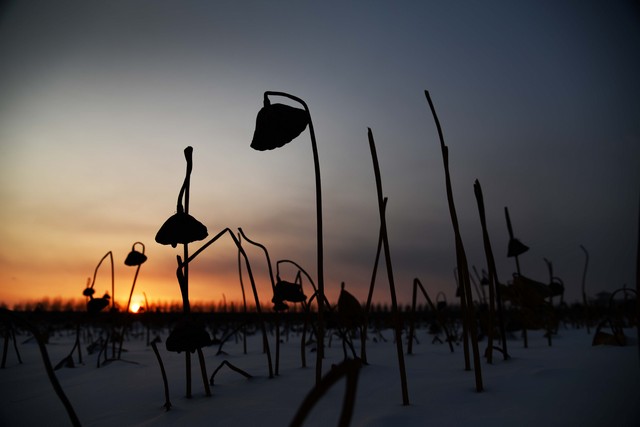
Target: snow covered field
[{"x": 568, "y": 384}]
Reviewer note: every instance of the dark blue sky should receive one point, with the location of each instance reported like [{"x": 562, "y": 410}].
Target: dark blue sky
[{"x": 538, "y": 100}]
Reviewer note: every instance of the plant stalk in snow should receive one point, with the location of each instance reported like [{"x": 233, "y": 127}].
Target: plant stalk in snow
[
  {"x": 387, "y": 254},
  {"x": 461, "y": 257}
]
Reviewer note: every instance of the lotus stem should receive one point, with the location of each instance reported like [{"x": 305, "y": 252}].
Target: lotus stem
[
  {"x": 47, "y": 365},
  {"x": 167, "y": 401},
  {"x": 367, "y": 310},
  {"x": 251, "y": 279},
  {"x": 320, "y": 250},
  {"x": 493, "y": 279},
  {"x": 273, "y": 287},
  {"x": 584, "y": 283},
  {"x": 349, "y": 369},
  {"x": 244, "y": 299},
  {"x": 387, "y": 254},
  {"x": 417, "y": 284},
  {"x": 460, "y": 253}
]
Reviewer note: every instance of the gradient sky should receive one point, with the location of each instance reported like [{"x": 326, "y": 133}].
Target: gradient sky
[{"x": 539, "y": 100}]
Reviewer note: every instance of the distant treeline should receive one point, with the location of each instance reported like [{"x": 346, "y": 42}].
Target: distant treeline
[{"x": 80, "y": 305}]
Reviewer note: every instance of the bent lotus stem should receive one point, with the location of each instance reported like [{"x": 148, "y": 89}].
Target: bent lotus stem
[
  {"x": 135, "y": 277},
  {"x": 273, "y": 287},
  {"x": 387, "y": 254},
  {"x": 461, "y": 257},
  {"x": 418, "y": 284},
  {"x": 300, "y": 269},
  {"x": 320, "y": 257},
  {"x": 244, "y": 298},
  {"x": 138, "y": 262},
  {"x": 494, "y": 288},
  {"x": 75, "y": 421},
  {"x": 306, "y": 306},
  {"x": 185, "y": 263},
  {"x": 93, "y": 281},
  {"x": 372, "y": 284}
]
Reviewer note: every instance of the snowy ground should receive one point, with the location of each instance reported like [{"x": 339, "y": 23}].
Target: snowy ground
[{"x": 570, "y": 383}]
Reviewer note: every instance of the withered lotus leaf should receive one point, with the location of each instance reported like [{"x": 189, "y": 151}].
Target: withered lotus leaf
[
  {"x": 287, "y": 291},
  {"x": 277, "y": 125},
  {"x": 181, "y": 228},
  {"x": 350, "y": 312},
  {"x": 188, "y": 335},
  {"x": 95, "y": 305}
]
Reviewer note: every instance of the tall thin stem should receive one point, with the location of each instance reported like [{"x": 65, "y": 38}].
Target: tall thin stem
[
  {"x": 387, "y": 254},
  {"x": 320, "y": 281},
  {"x": 461, "y": 257},
  {"x": 584, "y": 283},
  {"x": 493, "y": 279}
]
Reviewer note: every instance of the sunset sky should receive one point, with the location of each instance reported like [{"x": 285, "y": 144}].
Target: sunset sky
[{"x": 539, "y": 101}]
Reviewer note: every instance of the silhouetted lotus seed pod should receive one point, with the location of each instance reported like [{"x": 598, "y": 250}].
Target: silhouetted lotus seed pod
[
  {"x": 95, "y": 305},
  {"x": 277, "y": 125},
  {"x": 516, "y": 248},
  {"x": 135, "y": 258},
  {"x": 287, "y": 291},
  {"x": 188, "y": 335},
  {"x": 181, "y": 228},
  {"x": 87, "y": 292}
]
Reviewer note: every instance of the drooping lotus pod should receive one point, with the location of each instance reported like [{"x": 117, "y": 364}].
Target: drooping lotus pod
[
  {"x": 277, "y": 125},
  {"x": 188, "y": 335},
  {"x": 181, "y": 228},
  {"x": 95, "y": 305},
  {"x": 134, "y": 257},
  {"x": 287, "y": 291},
  {"x": 87, "y": 292},
  {"x": 516, "y": 248},
  {"x": 350, "y": 312}
]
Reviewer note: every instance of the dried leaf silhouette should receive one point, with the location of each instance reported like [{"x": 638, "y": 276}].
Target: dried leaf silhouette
[
  {"x": 516, "y": 248},
  {"x": 350, "y": 312}
]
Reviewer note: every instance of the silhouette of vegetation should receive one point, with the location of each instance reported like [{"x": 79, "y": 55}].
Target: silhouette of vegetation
[
  {"x": 522, "y": 304},
  {"x": 494, "y": 291},
  {"x": 466, "y": 299},
  {"x": 277, "y": 125},
  {"x": 8, "y": 314},
  {"x": 387, "y": 255},
  {"x": 350, "y": 369}
]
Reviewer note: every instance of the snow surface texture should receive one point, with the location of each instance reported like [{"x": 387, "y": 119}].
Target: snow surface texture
[{"x": 568, "y": 384}]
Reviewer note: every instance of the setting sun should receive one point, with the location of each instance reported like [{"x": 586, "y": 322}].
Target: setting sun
[{"x": 135, "y": 307}]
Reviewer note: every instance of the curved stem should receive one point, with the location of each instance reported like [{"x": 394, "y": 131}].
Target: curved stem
[
  {"x": 47, "y": 366},
  {"x": 320, "y": 272},
  {"x": 186, "y": 262},
  {"x": 266, "y": 253},
  {"x": 244, "y": 299},
  {"x": 300, "y": 269},
  {"x": 461, "y": 257},
  {"x": 95, "y": 273}
]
